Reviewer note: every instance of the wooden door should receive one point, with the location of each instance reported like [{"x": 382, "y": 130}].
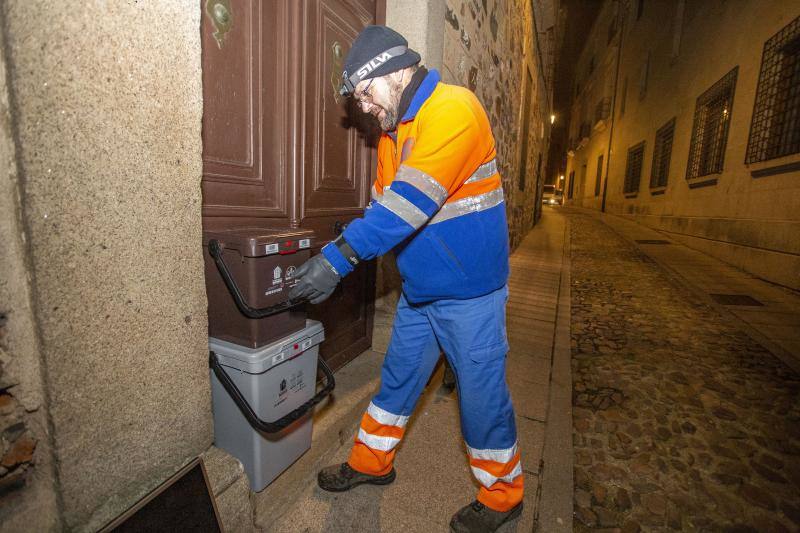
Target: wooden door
[{"x": 280, "y": 147}]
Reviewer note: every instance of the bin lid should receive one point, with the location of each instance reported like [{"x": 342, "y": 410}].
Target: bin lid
[
  {"x": 259, "y": 360},
  {"x": 259, "y": 241}
]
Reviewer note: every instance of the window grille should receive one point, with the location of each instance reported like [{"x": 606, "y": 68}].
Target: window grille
[
  {"x": 775, "y": 129},
  {"x": 633, "y": 168},
  {"x": 599, "y": 175},
  {"x": 712, "y": 116},
  {"x": 662, "y": 151}
]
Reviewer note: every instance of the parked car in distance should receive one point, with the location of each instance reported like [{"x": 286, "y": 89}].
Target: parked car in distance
[{"x": 552, "y": 196}]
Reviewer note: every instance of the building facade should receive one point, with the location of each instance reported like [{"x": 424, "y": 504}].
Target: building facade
[{"x": 686, "y": 117}]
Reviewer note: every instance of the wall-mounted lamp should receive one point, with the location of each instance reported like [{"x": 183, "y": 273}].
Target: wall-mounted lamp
[{"x": 552, "y": 119}]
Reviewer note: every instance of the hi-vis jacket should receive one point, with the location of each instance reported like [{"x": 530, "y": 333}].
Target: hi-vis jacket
[{"x": 437, "y": 201}]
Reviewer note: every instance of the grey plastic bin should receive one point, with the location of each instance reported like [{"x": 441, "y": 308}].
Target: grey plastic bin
[{"x": 274, "y": 380}]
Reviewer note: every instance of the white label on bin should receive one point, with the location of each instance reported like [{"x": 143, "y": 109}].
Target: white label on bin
[
  {"x": 304, "y": 243},
  {"x": 278, "y": 358},
  {"x": 306, "y": 345},
  {"x": 271, "y": 249},
  {"x": 277, "y": 273}
]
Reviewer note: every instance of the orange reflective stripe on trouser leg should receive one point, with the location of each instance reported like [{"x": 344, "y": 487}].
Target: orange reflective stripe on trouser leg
[
  {"x": 502, "y": 484},
  {"x": 376, "y": 443}
]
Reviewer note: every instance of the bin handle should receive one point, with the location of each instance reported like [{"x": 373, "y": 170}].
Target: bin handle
[
  {"x": 215, "y": 249},
  {"x": 247, "y": 410}
]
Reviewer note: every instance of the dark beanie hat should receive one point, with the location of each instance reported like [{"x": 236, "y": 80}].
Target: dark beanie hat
[{"x": 377, "y": 51}]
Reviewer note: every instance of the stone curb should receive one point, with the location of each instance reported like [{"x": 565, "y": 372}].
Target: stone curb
[{"x": 555, "y": 506}]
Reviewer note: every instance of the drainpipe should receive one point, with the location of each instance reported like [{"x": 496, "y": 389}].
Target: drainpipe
[{"x": 621, "y": 18}]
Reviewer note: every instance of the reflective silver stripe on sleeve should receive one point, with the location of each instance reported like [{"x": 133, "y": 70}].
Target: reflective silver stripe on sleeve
[
  {"x": 486, "y": 170},
  {"x": 401, "y": 207},
  {"x": 385, "y": 417},
  {"x": 499, "y": 456},
  {"x": 470, "y": 204},
  {"x": 422, "y": 182},
  {"x": 375, "y": 442}
]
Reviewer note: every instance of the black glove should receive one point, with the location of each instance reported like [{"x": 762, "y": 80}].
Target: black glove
[{"x": 316, "y": 280}]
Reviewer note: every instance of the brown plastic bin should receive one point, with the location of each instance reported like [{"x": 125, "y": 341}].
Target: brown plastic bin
[{"x": 261, "y": 262}]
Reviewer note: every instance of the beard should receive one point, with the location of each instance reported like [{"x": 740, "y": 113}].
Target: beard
[{"x": 389, "y": 120}]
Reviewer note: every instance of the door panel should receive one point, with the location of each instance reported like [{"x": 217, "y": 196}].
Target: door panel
[
  {"x": 245, "y": 114},
  {"x": 337, "y": 167},
  {"x": 336, "y": 160},
  {"x": 280, "y": 148}
]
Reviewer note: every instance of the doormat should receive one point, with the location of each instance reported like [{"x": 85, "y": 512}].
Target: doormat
[
  {"x": 735, "y": 299},
  {"x": 651, "y": 241},
  {"x": 182, "y": 503}
]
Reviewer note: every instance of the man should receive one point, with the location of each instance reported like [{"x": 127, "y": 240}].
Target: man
[{"x": 438, "y": 203}]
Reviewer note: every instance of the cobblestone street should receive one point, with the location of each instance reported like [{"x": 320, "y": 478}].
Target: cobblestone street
[{"x": 680, "y": 420}]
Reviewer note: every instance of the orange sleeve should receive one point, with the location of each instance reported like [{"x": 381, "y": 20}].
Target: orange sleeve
[{"x": 449, "y": 144}]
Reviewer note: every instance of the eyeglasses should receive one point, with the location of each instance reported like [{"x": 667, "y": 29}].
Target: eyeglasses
[{"x": 365, "y": 94}]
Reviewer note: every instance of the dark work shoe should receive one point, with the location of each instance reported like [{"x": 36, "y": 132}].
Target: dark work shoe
[
  {"x": 339, "y": 478},
  {"x": 477, "y": 518}
]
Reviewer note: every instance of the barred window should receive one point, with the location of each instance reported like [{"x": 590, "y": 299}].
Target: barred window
[
  {"x": 662, "y": 151},
  {"x": 775, "y": 128},
  {"x": 599, "y": 175},
  {"x": 633, "y": 168},
  {"x": 712, "y": 116}
]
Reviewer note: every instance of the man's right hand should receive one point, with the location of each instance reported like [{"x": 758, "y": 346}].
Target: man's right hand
[{"x": 316, "y": 280}]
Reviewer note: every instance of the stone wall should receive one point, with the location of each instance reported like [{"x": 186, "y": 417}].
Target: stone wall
[
  {"x": 108, "y": 104},
  {"x": 489, "y": 47},
  {"x": 27, "y": 486}
]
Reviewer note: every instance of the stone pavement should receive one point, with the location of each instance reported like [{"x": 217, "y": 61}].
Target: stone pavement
[
  {"x": 682, "y": 421},
  {"x": 433, "y": 476}
]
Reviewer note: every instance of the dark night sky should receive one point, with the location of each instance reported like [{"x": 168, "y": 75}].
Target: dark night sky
[{"x": 578, "y": 18}]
